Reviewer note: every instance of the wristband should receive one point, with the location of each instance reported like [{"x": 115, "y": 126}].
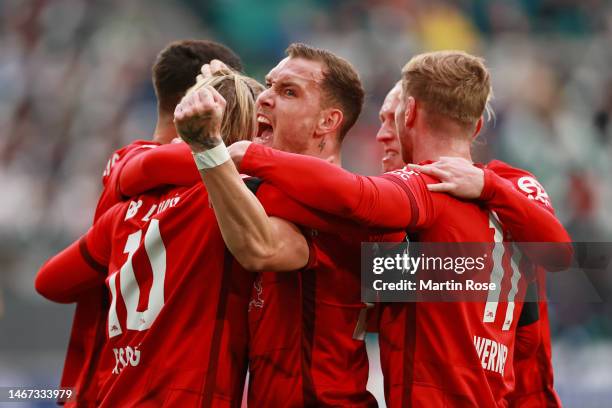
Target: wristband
[{"x": 212, "y": 157}]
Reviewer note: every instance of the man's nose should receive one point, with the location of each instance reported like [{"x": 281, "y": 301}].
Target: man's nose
[{"x": 265, "y": 98}]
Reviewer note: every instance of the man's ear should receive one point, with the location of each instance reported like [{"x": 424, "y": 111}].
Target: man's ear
[
  {"x": 411, "y": 112},
  {"x": 478, "y": 128},
  {"x": 329, "y": 122}
]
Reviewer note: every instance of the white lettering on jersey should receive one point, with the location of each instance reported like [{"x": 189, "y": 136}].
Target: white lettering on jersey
[
  {"x": 147, "y": 217},
  {"x": 404, "y": 173},
  {"x": 125, "y": 356},
  {"x": 534, "y": 190},
  {"x": 169, "y": 203},
  {"x": 110, "y": 164},
  {"x": 132, "y": 209},
  {"x": 492, "y": 354}
]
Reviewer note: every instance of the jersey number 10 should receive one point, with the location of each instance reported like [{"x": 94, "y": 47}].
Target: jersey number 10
[{"x": 130, "y": 292}]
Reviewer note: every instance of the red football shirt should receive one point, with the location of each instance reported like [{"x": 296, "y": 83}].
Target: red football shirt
[
  {"x": 87, "y": 335},
  {"x": 449, "y": 352},
  {"x": 111, "y": 193},
  {"x": 534, "y": 375},
  {"x": 176, "y": 328},
  {"x": 306, "y": 345},
  {"x": 308, "y": 329}
]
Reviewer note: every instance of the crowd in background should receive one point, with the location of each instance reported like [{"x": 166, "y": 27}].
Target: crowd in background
[{"x": 75, "y": 85}]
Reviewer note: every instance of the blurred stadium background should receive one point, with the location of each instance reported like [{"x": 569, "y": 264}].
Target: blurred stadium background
[{"x": 75, "y": 85}]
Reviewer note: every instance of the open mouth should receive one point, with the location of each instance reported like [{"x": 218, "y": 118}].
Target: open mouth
[{"x": 264, "y": 128}]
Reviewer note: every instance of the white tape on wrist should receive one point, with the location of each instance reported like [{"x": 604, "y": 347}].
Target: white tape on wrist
[{"x": 212, "y": 158}]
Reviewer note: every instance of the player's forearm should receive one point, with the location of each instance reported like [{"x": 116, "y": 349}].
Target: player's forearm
[
  {"x": 170, "y": 164},
  {"x": 64, "y": 277},
  {"x": 247, "y": 230},
  {"x": 374, "y": 201},
  {"x": 528, "y": 222}
]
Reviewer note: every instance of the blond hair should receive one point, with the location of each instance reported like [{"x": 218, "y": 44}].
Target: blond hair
[
  {"x": 240, "y": 93},
  {"x": 452, "y": 84}
]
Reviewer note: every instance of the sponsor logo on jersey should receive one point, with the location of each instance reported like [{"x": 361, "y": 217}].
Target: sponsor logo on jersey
[{"x": 534, "y": 190}]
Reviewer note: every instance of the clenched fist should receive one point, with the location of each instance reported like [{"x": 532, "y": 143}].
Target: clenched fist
[{"x": 198, "y": 118}]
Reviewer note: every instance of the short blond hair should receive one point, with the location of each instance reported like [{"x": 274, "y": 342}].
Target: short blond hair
[
  {"x": 452, "y": 84},
  {"x": 240, "y": 93}
]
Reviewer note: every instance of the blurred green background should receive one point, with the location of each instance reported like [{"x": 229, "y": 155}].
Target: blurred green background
[{"x": 75, "y": 85}]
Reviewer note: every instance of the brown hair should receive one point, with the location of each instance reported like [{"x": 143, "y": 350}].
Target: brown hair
[
  {"x": 177, "y": 66},
  {"x": 341, "y": 84},
  {"x": 453, "y": 84},
  {"x": 240, "y": 93}
]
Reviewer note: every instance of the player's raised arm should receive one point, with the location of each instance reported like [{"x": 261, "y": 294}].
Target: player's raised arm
[
  {"x": 396, "y": 200},
  {"x": 257, "y": 241},
  {"x": 170, "y": 164}
]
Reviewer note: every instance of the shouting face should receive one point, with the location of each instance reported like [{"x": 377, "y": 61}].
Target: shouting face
[{"x": 290, "y": 108}]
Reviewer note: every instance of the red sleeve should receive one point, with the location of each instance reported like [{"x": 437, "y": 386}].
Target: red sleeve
[
  {"x": 396, "y": 200},
  {"x": 170, "y": 164},
  {"x": 278, "y": 204},
  {"x": 528, "y": 220},
  {"x": 81, "y": 266},
  {"x": 111, "y": 194},
  {"x": 528, "y": 339}
]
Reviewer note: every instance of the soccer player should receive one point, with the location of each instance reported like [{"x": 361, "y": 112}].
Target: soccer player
[
  {"x": 443, "y": 99},
  {"x": 387, "y": 133},
  {"x": 534, "y": 385},
  {"x": 177, "y": 327},
  {"x": 174, "y": 72},
  {"x": 532, "y": 363},
  {"x": 307, "y": 339}
]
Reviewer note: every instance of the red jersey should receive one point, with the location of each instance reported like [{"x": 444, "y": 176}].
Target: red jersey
[
  {"x": 306, "y": 346},
  {"x": 111, "y": 193},
  {"x": 467, "y": 366},
  {"x": 87, "y": 336},
  {"x": 308, "y": 329},
  {"x": 176, "y": 331},
  {"x": 534, "y": 375}
]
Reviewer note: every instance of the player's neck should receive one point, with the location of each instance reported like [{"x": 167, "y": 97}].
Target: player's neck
[
  {"x": 432, "y": 147},
  {"x": 164, "y": 130},
  {"x": 327, "y": 149}
]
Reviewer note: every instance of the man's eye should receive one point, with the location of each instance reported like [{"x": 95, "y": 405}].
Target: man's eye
[
  {"x": 268, "y": 85},
  {"x": 289, "y": 92}
]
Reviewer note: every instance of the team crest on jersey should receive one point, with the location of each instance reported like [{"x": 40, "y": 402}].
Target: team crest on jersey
[
  {"x": 257, "y": 300},
  {"x": 534, "y": 190}
]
